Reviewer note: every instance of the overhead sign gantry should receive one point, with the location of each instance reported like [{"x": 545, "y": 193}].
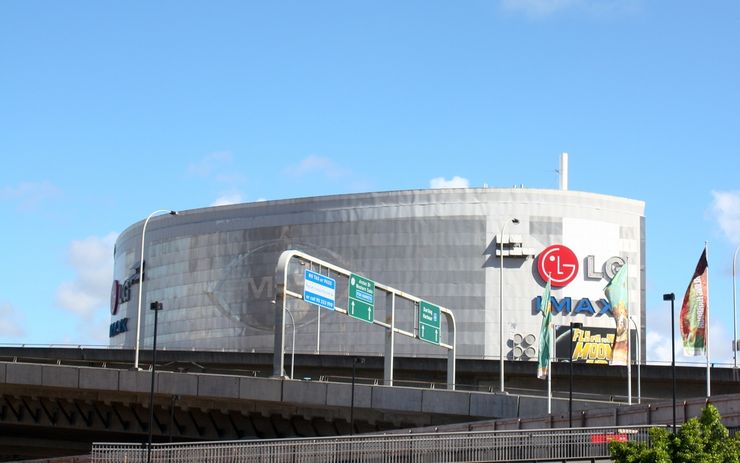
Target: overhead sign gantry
[{"x": 320, "y": 289}]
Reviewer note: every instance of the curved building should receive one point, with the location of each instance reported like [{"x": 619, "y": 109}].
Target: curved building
[{"x": 213, "y": 268}]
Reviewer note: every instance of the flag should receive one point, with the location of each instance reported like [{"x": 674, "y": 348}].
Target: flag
[
  {"x": 543, "y": 365},
  {"x": 617, "y": 293},
  {"x": 692, "y": 320}
]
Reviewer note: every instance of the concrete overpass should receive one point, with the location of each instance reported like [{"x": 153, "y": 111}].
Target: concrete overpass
[{"x": 57, "y": 401}]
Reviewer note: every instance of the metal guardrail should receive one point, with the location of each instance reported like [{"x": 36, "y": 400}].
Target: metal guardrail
[{"x": 492, "y": 446}]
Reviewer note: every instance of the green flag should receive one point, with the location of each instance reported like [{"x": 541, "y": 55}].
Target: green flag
[
  {"x": 543, "y": 365},
  {"x": 617, "y": 293}
]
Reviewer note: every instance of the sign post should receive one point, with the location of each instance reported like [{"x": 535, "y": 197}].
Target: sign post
[
  {"x": 429, "y": 321},
  {"x": 361, "y": 303},
  {"x": 320, "y": 290}
]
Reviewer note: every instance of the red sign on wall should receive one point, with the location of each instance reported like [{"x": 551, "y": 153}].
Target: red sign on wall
[{"x": 558, "y": 264}]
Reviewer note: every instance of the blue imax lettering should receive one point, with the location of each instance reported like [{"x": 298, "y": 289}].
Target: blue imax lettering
[
  {"x": 118, "y": 327},
  {"x": 584, "y": 306}
]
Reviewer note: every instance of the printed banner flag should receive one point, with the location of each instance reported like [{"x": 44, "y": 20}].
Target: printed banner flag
[
  {"x": 694, "y": 310},
  {"x": 617, "y": 292},
  {"x": 543, "y": 365}
]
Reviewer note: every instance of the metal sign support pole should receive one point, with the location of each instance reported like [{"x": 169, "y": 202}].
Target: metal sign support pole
[
  {"x": 282, "y": 293},
  {"x": 390, "y": 336},
  {"x": 450, "y": 352}
]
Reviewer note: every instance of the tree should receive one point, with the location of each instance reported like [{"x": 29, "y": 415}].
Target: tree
[{"x": 702, "y": 440}]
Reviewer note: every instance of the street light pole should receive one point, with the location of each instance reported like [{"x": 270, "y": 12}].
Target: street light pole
[
  {"x": 734, "y": 311},
  {"x": 637, "y": 334},
  {"x": 292, "y": 350},
  {"x": 141, "y": 283},
  {"x": 501, "y": 303},
  {"x": 156, "y": 307},
  {"x": 355, "y": 361},
  {"x": 672, "y": 297},
  {"x": 573, "y": 326}
]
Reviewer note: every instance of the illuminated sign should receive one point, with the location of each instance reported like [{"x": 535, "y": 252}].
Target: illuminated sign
[{"x": 558, "y": 264}]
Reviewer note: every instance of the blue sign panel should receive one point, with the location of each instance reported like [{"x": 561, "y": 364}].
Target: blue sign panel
[{"x": 319, "y": 289}]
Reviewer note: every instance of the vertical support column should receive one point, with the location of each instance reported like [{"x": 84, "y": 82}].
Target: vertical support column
[
  {"x": 278, "y": 357},
  {"x": 450, "y": 352},
  {"x": 281, "y": 286},
  {"x": 390, "y": 336}
]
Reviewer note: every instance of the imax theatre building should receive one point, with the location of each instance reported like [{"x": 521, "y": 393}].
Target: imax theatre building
[{"x": 213, "y": 270}]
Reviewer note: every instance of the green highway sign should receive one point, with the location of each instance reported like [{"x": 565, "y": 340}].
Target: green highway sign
[
  {"x": 429, "y": 322},
  {"x": 361, "y": 303}
]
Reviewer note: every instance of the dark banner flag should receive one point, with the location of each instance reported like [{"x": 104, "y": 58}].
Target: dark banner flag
[{"x": 694, "y": 310}]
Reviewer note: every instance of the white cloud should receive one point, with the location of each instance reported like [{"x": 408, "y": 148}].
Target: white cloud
[
  {"x": 227, "y": 199},
  {"x": 10, "y": 324},
  {"x": 92, "y": 261},
  {"x": 314, "y": 164},
  {"x": 454, "y": 182},
  {"x": 211, "y": 164},
  {"x": 545, "y": 8},
  {"x": 29, "y": 195},
  {"x": 658, "y": 342},
  {"x": 218, "y": 167},
  {"x": 726, "y": 206},
  {"x": 538, "y": 8}
]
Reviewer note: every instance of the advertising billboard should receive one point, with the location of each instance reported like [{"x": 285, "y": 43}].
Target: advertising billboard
[{"x": 590, "y": 345}]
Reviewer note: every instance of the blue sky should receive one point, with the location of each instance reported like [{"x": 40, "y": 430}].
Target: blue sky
[{"x": 111, "y": 110}]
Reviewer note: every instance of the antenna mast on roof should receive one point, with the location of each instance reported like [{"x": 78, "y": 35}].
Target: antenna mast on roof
[{"x": 563, "y": 170}]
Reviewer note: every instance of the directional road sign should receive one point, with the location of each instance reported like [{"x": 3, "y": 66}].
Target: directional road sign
[
  {"x": 429, "y": 321},
  {"x": 361, "y": 303},
  {"x": 319, "y": 289}
]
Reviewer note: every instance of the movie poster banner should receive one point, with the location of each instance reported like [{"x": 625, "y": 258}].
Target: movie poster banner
[
  {"x": 590, "y": 345},
  {"x": 692, "y": 319}
]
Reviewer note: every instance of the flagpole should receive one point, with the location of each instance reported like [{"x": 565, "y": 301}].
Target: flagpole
[
  {"x": 629, "y": 339},
  {"x": 706, "y": 326},
  {"x": 549, "y": 371}
]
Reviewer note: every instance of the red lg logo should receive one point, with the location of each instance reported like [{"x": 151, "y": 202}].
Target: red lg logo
[
  {"x": 558, "y": 264},
  {"x": 115, "y": 292}
]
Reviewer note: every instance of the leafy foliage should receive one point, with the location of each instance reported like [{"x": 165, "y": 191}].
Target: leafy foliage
[{"x": 702, "y": 440}]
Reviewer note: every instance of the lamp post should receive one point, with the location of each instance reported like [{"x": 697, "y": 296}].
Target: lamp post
[
  {"x": 141, "y": 283},
  {"x": 501, "y": 303},
  {"x": 355, "y": 361},
  {"x": 672, "y": 297},
  {"x": 156, "y": 306},
  {"x": 292, "y": 349},
  {"x": 639, "y": 353},
  {"x": 573, "y": 326},
  {"x": 734, "y": 311}
]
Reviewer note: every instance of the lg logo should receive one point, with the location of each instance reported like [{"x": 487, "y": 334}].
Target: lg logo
[{"x": 558, "y": 264}]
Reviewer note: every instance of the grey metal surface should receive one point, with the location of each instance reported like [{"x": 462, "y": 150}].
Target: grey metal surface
[
  {"x": 213, "y": 268},
  {"x": 491, "y": 446}
]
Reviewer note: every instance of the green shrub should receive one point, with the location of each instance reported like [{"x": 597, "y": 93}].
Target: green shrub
[{"x": 702, "y": 440}]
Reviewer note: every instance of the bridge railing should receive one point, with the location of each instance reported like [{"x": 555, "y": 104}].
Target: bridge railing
[{"x": 493, "y": 446}]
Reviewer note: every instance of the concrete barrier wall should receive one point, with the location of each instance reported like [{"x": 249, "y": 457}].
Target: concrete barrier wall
[
  {"x": 511, "y": 412},
  {"x": 279, "y": 391}
]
